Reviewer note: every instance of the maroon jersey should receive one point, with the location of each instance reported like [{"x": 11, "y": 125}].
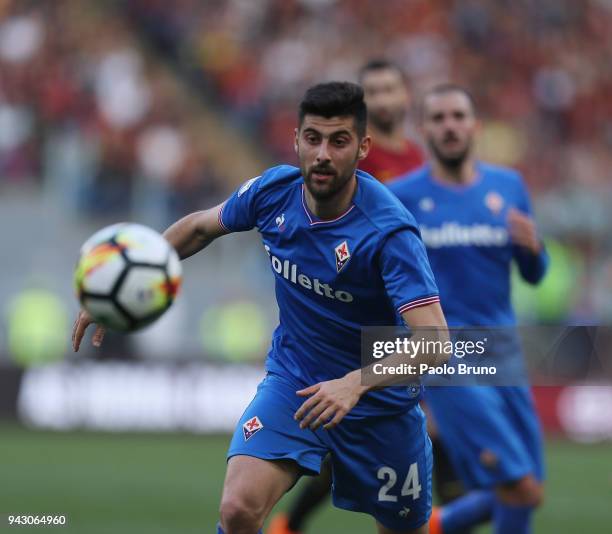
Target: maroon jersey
[{"x": 385, "y": 164}]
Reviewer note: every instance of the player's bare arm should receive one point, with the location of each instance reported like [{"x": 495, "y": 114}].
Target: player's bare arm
[
  {"x": 328, "y": 402},
  {"x": 195, "y": 231},
  {"x": 429, "y": 322},
  {"x": 188, "y": 236}
]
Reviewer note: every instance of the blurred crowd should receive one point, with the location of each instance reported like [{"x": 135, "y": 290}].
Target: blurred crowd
[
  {"x": 94, "y": 108},
  {"x": 85, "y": 112}
]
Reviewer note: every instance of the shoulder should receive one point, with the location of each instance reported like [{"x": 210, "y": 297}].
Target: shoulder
[
  {"x": 271, "y": 184},
  {"x": 506, "y": 180},
  {"x": 381, "y": 207},
  {"x": 276, "y": 178},
  {"x": 502, "y": 175},
  {"x": 410, "y": 183}
]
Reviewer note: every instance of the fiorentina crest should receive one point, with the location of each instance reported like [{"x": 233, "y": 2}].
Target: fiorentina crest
[
  {"x": 252, "y": 426},
  {"x": 342, "y": 255},
  {"x": 494, "y": 202}
]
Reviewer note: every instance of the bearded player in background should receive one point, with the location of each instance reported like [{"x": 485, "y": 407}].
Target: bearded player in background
[
  {"x": 475, "y": 219},
  {"x": 388, "y": 99}
]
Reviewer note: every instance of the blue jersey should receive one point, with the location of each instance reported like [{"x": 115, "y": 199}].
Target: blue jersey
[
  {"x": 333, "y": 276},
  {"x": 466, "y": 234}
]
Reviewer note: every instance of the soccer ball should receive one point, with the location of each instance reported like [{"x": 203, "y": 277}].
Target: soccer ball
[{"x": 127, "y": 276}]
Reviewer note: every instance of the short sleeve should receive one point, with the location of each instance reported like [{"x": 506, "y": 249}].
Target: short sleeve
[
  {"x": 405, "y": 270},
  {"x": 239, "y": 212}
]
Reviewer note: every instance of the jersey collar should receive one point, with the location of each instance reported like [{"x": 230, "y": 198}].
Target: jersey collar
[
  {"x": 315, "y": 221},
  {"x": 460, "y": 188}
]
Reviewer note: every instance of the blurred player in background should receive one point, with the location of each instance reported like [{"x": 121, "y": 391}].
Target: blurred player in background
[
  {"x": 388, "y": 99},
  {"x": 345, "y": 253},
  {"x": 475, "y": 220},
  {"x": 392, "y": 154}
]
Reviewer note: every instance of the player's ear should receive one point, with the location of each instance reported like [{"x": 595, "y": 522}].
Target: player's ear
[
  {"x": 295, "y": 139},
  {"x": 364, "y": 147}
]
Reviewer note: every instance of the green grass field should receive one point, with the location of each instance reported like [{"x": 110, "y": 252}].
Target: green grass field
[{"x": 107, "y": 483}]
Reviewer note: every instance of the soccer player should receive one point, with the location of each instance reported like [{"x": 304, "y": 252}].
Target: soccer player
[
  {"x": 475, "y": 220},
  {"x": 388, "y": 99},
  {"x": 344, "y": 253},
  {"x": 391, "y": 154}
]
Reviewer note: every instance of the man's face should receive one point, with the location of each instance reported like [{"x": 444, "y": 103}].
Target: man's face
[
  {"x": 328, "y": 150},
  {"x": 387, "y": 98},
  {"x": 449, "y": 126}
]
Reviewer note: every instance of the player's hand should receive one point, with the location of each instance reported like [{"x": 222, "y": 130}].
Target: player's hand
[
  {"x": 83, "y": 320},
  {"x": 328, "y": 402},
  {"x": 523, "y": 231}
]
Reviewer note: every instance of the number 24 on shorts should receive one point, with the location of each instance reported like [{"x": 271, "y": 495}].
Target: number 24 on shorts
[{"x": 411, "y": 486}]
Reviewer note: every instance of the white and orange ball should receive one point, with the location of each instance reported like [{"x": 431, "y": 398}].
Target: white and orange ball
[{"x": 127, "y": 276}]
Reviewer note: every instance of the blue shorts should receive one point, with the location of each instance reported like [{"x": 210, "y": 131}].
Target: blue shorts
[
  {"x": 491, "y": 433},
  {"x": 380, "y": 465}
]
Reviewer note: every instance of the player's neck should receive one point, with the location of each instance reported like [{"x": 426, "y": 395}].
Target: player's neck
[
  {"x": 394, "y": 141},
  {"x": 333, "y": 207},
  {"x": 464, "y": 174}
]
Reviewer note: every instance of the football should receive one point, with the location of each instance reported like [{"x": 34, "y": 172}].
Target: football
[{"x": 127, "y": 276}]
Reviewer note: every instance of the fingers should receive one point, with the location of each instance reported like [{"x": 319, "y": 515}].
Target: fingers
[
  {"x": 315, "y": 412},
  {"x": 98, "y": 336},
  {"x": 306, "y": 406},
  {"x": 74, "y": 328},
  {"x": 310, "y": 390},
  {"x": 516, "y": 215},
  {"x": 78, "y": 330},
  {"x": 520, "y": 224},
  {"x": 517, "y": 219},
  {"x": 525, "y": 236},
  {"x": 522, "y": 230},
  {"x": 329, "y": 402},
  {"x": 336, "y": 420},
  {"x": 518, "y": 236},
  {"x": 513, "y": 213},
  {"x": 83, "y": 320},
  {"x": 325, "y": 416}
]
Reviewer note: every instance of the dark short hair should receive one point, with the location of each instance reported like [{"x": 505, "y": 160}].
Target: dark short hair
[
  {"x": 445, "y": 88},
  {"x": 336, "y": 99},
  {"x": 380, "y": 64}
]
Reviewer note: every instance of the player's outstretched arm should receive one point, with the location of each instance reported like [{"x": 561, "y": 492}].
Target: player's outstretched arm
[
  {"x": 188, "y": 236},
  {"x": 195, "y": 231}
]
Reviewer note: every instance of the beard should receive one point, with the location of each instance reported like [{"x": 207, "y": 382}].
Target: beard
[
  {"x": 386, "y": 122},
  {"x": 336, "y": 182},
  {"x": 326, "y": 190},
  {"x": 450, "y": 161}
]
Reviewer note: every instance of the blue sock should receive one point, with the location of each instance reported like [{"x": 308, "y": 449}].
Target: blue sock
[
  {"x": 472, "y": 509},
  {"x": 220, "y": 530},
  {"x": 511, "y": 519}
]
